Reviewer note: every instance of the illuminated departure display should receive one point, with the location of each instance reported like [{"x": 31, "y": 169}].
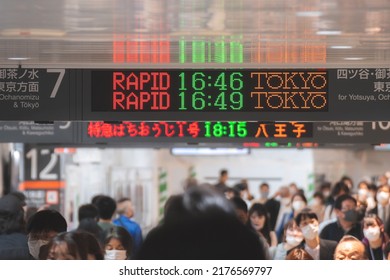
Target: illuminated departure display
[
  {"x": 164, "y": 95},
  {"x": 209, "y": 90},
  {"x": 200, "y": 130}
]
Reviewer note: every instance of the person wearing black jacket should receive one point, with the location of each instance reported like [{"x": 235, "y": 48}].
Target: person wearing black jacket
[
  {"x": 318, "y": 248},
  {"x": 13, "y": 239},
  {"x": 347, "y": 220},
  {"x": 271, "y": 204}
]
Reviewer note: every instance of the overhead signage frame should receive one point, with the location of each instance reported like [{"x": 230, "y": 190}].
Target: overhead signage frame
[{"x": 195, "y": 94}]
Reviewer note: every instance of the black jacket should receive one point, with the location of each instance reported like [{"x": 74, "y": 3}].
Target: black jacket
[
  {"x": 327, "y": 248},
  {"x": 14, "y": 247},
  {"x": 334, "y": 231}
]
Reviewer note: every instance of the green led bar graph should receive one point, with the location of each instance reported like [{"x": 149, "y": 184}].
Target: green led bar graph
[{"x": 223, "y": 50}]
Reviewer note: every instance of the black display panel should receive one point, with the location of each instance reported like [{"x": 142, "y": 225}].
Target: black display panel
[
  {"x": 31, "y": 132},
  {"x": 361, "y": 94},
  {"x": 132, "y": 132},
  {"x": 199, "y": 131},
  {"x": 210, "y": 91},
  {"x": 342, "y": 132},
  {"x": 35, "y": 94},
  {"x": 311, "y": 95}
]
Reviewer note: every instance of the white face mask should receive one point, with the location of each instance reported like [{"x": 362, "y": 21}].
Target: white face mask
[
  {"x": 298, "y": 205},
  {"x": 293, "y": 241},
  {"x": 370, "y": 203},
  {"x": 362, "y": 193},
  {"x": 115, "y": 255},
  {"x": 372, "y": 233},
  {"x": 382, "y": 197},
  {"x": 310, "y": 231},
  {"x": 284, "y": 201},
  {"x": 34, "y": 247},
  {"x": 315, "y": 202},
  {"x": 326, "y": 193}
]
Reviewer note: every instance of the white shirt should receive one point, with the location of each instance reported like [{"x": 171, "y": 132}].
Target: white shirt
[
  {"x": 384, "y": 210},
  {"x": 315, "y": 253}
]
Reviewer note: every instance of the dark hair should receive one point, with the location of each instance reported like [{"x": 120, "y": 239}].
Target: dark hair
[
  {"x": 239, "y": 203},
  {"x": 74, "y": 251},
  {"x": 88, "y": 245},
  {"x": 338, "y": 188},
  {"x": 173, "y": 206},
  {"x": 383, "y": 235},
  {"x": 341, "y": 199},
  {"x": 91, "y": 226},
  {"x": 20, "y": 196},
  {"x": 301, "y": 195},
  {"x": 31, "y": 210},
  {"x": 88, "y": 211},
  {"x": 320, "y": 195},
  {"x": 80, "y": 245},
  {"x": 306, "y": 213},
  {"x": 11, "y": 222},
  {"x": 285, "y": 228},
  {"x": 385, "y": 186},
  {"x": 372, "y": 187},
  {"x": 200, "y": 231},
  {"x": 198, "y": 203},
  {"x": 264, "y": 184},
  {"x": 123, "y": 236},
  {"x": 260, "y": 210},
  {"x": 347, "y": 178},
  {"x": 11, "y": 215},
  {"x": 298, "y": 254},
  {"x": 123, "y": 199},
  {"x": 106, "y": 206},
  {"x": 240, "y": 187},
  {"x": 325, "y": 185},
  {"x": 45, "y": 221},
  {"x": 386, "y": 250},
  {"x": 223, "y": 172},
  {"x": 96, "y": 198}
]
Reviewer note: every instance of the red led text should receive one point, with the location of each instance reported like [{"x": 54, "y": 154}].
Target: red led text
[{"x": 141, "y": 91}]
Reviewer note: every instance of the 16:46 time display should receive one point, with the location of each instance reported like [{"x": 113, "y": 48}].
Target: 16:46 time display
[{"x": 211, "y": 91}]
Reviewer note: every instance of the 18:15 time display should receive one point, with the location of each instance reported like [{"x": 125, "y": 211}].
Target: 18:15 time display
[
  {"x": 211, "y": 92},
  {"x": 232, "y": 129}
]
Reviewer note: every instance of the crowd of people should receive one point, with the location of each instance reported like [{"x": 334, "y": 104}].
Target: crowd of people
[
  {"x": 211, "y": 222},
  {"x": 105, "y": 231}
]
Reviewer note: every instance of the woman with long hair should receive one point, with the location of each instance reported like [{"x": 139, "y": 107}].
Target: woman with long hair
[{"x": 259, "y": 222}]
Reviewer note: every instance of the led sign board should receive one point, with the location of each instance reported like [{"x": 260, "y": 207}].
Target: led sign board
[
  {"x": 199, "y": 130},
  {"x": 195, "y": 94},
  {"x": 210, "y": 91},
  {"x": 237, "y": 94},
  {"x": 35, "y": 94},
  {"x": 250, "y": 133}
]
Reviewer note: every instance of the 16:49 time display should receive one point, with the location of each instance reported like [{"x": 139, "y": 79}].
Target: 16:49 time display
[
  {"x": 211, "y": 91},
  {"x": 231, "y": 129}
]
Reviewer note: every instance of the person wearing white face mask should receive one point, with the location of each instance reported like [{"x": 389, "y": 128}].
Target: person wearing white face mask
[
  {"x": 292, "y": 238},
  {"x": 118, "y": 245},
  {"x": 317, "y": 204},
  {"x": 382, "y": 210},
  {"x": 270, "y": 203},
  {"x": 319, "y": 249},
  {"x": 41, "y": 228},
  {"x": 374, "y": 239},
  {"x": 371, "y": 202},
  {"x": 298, "y": 202}
]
